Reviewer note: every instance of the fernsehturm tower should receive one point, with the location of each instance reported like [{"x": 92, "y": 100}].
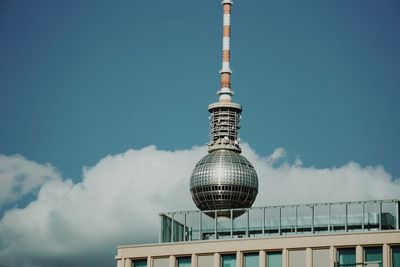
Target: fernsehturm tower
[{"x": 224, "y": 179}]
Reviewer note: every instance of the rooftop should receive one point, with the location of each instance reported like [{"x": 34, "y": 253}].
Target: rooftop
[{"x": 303, "y": 219}]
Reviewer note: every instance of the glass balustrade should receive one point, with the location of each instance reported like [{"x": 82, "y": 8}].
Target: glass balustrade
[{"x": 337, "y": 217}]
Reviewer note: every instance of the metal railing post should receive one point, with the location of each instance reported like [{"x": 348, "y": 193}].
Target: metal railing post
[
  {"x": 280, "y": 221},
  {"x": 345, "y": 217},
  {"x": 363, "y": 216},
  {"x": 215, "y": 224},
  {"x": 380, "y": 215},
  {"x": 184, "y": 227},
  {"x": 397, "y": 214},
  {"x": 263, "y": 222},
  {"x": 295, "y": 218},
  {"x": 200, "y": 226},
  {"x": 312, "y": 218},
  {"x": 248, "y": 223},
  {"x": 172, "y": 227},
  {"x": 161, "y": 230},
  {"x": 231, "y": 223},
  {"x": 329, "y": 217}
]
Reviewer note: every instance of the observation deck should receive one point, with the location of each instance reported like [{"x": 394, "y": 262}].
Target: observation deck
[{"x": 287, "y": 220}]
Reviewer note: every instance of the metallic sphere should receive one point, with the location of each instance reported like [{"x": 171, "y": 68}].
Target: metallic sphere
[{"x": 223, "y": 179}]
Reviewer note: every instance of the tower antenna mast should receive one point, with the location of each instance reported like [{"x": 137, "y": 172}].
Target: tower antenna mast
[
  {"x": 225, "y": 115},
  {"x": 225, "y": 92}
]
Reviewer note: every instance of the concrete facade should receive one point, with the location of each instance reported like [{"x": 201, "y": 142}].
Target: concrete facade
[{"x": 286, "y": 244}]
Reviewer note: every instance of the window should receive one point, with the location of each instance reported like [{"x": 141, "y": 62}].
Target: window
[
  {"x": 161, "y": 262},
  {"x": 139, "y": 263},
  {"x": 297, "y": 258},
  {"x": 184, "y": 262},
  {"x": 274, "y": 259},
  {"x": 228, "y": 260},
  {"x": 396, "y": 256},
  {"x": 320, "y": 258},
  {"x": 205, "y": 261},
  {"x": 251, "y": 260},
  {"x": 373, "y": 257},
  {"x": 346, "y": 257}
]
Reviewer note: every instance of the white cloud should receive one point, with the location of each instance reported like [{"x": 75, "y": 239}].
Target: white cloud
[
  {"x": 290, "y": 183},
  {"x": 119, "y": 198},
  {"x": 20, "y": 177},
  {"x": 117, "y": 202},
  {"x": 277, "y": 155}
]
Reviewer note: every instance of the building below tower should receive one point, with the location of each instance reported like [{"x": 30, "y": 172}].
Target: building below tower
[{"x": 345, "y": 234}]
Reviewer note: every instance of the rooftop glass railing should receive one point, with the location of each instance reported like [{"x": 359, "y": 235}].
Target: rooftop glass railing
[{"x": 304, "y": 219}]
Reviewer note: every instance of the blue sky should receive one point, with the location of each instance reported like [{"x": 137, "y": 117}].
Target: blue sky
[{"x": 80, "y": 80}]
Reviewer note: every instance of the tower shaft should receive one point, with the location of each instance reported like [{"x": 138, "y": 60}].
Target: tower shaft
[{"x": 225, "y": 115}]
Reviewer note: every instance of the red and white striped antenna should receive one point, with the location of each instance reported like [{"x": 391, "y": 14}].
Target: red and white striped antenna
[{"x": 225, "y": 93}]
